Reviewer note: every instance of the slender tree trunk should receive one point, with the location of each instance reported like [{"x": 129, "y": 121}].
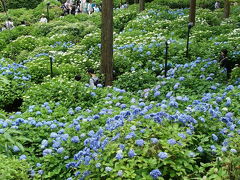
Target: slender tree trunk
[
  {"x": 226, "y": 9},
  {"x": 192, "y": 14},
  {"x": 135, "y": 1},
  {"x": 141, "y": 5},
  {"x": 107, "y": 41},
  {"x": 4, "y": 5}
]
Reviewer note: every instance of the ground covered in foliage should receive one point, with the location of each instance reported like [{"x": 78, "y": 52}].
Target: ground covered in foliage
[{"x": 146, "y": 126}]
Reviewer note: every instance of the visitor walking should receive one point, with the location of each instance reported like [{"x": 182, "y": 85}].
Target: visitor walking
[
  {"x": 217, "y": 5},
  {"x": 43, "y": 19},
  {"x": 9, "y": 24},
  {"x": 89, "y": 8},
  {"x": 225, "y": 62},
  {"x": 94, "y": 81}
]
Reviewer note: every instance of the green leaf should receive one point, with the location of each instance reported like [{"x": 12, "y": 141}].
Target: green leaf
[{"x": 9, "y": 137}]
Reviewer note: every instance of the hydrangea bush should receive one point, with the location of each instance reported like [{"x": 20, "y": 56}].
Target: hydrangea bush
[{"x": 147, "y": 126}]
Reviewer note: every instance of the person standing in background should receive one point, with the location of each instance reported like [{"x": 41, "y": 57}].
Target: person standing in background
[
  {"x": 217, "y": 5},
  {"x": 9, "y": 24}
]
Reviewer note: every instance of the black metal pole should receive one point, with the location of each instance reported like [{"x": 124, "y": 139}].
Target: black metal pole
[
  {"x": 187, "y": 53},
  {"x": 190, "y": 25},
  {"x": 51, "y": 66},
  {"x": 48, "y": 4},
  {"x": 166, "y": 58}
]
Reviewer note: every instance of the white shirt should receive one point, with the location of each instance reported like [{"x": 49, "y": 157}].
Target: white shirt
[
  {"x": 43, "y": 20},
  {"x": 96, "y": 9},
  {"x": 217, "y": 5},
  {"x": 92, "y": 81},
  {"x": 9, "y": 25}
]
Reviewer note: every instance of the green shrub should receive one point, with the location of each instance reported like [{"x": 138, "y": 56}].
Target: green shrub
[
  {"x": 12, "y": 169},
  {"x": 235, "y": 75},
  {"x": 139, "y": 80}
]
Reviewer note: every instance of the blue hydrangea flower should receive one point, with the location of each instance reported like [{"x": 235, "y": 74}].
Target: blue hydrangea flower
[
  {"x": 224, "y": 149},
  {"x": 154, "y": 140},
  {"x": 131, "y": 153},
  {"x": 200, "y": 149},
  {"x": 162, "y": 155},
  {"x": 108, "y": 169},
  {"x": 120, "y": 173},
  {"x": 233, "y": 151},
  {"x": 44, "y": 143},
  {"x": 56, "y": 144},
  {"x": 155, "y": 173},
  {"x": 16, "y": 149},
  {"x": 214, "y": 137},
  {"x": 191, "y": 154},
  {"x": 75, "y": 139},
  {"x": 40, "y": 172},
  {"x": 64, "y": 137},
  {"x": 98, "y": 165},
  {"x": 182, "y": 135},
  {"x": 213, "y": 148},
  {"x": 38, "y": 164},
  {"x": 157, "y": 93},
  {"x": 78, "y": 109},
  {"x": 122, "y": 146},
  {"x": 53, "y": 126},
  {"x": 47, "y": 151},
  {"x": 172, "y": 141},
  {"x": 32, "y": 173},
  {"x": 140, "y": 142},
  {"x": 119, "y": 156},
  {"x": 23, "y": 157},
  {"x": 60, "y": 150}
]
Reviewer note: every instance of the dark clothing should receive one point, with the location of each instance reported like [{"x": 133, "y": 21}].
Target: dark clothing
[{"x": 224, "y": 62}]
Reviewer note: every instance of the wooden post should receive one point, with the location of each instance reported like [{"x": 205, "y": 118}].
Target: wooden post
[
  {"x": 192, "y": 14},
  {"x": 141, "y": 5},
  {"x": 107, "y": 41},
  {"x": 226, "y": 9}
]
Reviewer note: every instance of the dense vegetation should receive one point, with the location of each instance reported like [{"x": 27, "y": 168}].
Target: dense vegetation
[{"x": 185, "y": 126}]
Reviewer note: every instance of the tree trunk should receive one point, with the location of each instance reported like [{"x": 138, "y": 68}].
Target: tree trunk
[
  {"x": 192, "y": 14},
  {"x": 107, "y": 41},
  {"x": 226, "y": 9},
  {"x": 4, "y": 5},
  {"x": 135, "y": 1},
  {"x": 141, "y": 5}
]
